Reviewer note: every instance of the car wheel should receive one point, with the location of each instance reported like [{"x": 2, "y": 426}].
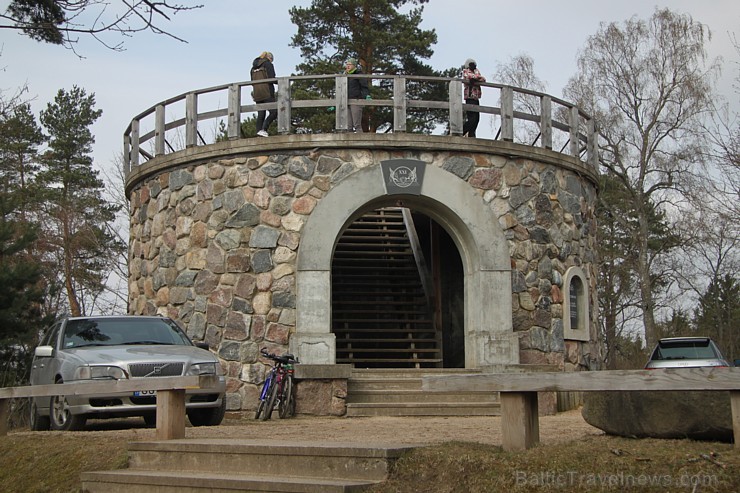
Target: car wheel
[
  {"x": 38, "y": 423},
  {"x": 208, "y": 416},
  {"x": 61, "y": 418},
  {"x": 150, "y": 420}
]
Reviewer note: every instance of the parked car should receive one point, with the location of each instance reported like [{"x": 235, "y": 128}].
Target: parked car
[
  {"x": 102, "y": 348},
  {"x": 686, "y": 352}
]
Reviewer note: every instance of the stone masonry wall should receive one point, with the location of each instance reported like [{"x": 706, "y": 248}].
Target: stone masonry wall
[{"x": 214, "y": 246}]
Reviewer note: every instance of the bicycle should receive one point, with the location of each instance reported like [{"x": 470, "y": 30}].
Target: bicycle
[{"x": 278, "y": 387}]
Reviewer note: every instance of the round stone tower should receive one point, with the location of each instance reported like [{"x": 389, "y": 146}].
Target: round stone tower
[{"x": 241, "y": 241}]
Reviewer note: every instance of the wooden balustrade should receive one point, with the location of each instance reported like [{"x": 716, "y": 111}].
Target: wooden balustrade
[
  {"x": 170, "y": 397},
  {"x": 519, "y": 408},
  {"x": 576, "y": 130}
]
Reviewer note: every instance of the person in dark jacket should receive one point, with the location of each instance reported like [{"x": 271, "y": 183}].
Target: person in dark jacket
[
  {"x": 265, "y": 60},
  {"x": 356, "y": 89}
]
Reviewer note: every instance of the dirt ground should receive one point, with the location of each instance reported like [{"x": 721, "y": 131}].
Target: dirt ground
[{"x": 562, "y": 427}]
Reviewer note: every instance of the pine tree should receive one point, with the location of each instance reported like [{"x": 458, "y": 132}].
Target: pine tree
[
  {"x": 21, "y": 296},
  {"x": 76, "y": 215},
  {"x": 20, "y": 138},
  {"x": 383, "y": 40},
  {"x": 619, "y": 299},
  {"x": 718, "y": 315}
]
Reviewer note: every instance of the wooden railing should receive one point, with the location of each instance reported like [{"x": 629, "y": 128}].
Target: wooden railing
[
  {"x": 170, "y": 397},
  {"x": 180, "y": 122},
  {"x": 519, "y": 408}
]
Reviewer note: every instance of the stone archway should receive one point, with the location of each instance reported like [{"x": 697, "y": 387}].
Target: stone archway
[{"x": 451, "y": 202}]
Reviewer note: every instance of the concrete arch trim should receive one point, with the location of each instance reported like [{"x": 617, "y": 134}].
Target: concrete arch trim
[{"x": 452, "y": 202}]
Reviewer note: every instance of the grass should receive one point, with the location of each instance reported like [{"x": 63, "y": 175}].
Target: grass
[
  {"x": 598, "y": 463},
  {"x": 52, "y": 462},
  {"x": 46, "y": 462}
]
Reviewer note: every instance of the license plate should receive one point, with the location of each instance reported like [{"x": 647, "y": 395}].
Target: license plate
[{"x": 144, "y": 393}]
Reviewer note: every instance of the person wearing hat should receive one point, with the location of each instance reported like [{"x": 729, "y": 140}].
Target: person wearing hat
[
  {"x": 471, "y": 79},
  {"x": 356, "y": 89},
  {"x": 265, "y": 61}
]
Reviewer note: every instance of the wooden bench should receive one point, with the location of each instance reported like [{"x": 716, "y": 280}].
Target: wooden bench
[
  {"x": 519, "y": 413},
  {"x": 170, "y": 397}
]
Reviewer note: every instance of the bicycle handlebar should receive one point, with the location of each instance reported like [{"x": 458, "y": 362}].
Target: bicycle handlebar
[{"x": 286, "y": 359}]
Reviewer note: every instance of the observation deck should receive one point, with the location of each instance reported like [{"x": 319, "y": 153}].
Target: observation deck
[{"x": 523, "y": 117}]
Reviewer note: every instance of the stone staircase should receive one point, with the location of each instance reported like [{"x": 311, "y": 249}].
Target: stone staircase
[
  {"x": 223, "y": 465},
  {"x": 387, "y": 392}
]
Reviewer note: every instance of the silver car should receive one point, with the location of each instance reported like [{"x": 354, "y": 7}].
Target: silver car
[
  {"x": 120, "y": 347},
  {"x": 686, "y": 352}
]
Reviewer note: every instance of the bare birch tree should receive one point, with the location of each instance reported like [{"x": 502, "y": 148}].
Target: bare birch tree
[{"x": 649, "y": 84}]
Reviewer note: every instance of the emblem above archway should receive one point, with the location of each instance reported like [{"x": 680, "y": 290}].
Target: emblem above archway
[{"x": 403, "y": 176}]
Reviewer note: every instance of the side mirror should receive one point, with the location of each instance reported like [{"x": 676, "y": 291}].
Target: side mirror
[{"x": 44, "y": 352}]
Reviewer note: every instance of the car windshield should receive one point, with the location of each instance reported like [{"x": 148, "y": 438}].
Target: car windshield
[
  {"x": 684, "y": 350},
  {"x": 117, "y": 331}
]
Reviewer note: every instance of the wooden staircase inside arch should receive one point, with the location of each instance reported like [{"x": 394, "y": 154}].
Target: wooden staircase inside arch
[
  {"x": 382, "y": 306},
  {"x": 387, "y": 321}
]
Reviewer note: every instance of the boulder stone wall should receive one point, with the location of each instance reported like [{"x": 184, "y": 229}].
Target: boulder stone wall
[{"x": 214, "y": 242}]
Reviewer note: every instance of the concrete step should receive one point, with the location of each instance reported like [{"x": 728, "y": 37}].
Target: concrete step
[
  {"x": 308, "y": 459},
  {"x": 137, "y": 481},
  {"x": 223, "y": 465},
  {"x": 396, "y": 379},
  {"x": 423, "y": 409},
  {"x": 356, "y": 395},
  {"x": 397, "y": 392}
]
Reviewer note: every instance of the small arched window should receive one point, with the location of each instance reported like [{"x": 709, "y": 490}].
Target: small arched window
[{"x": 575, "y": 305}]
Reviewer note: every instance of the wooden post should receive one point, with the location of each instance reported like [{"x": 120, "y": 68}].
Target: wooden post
[
  {"x": 283, "y": 105},
  {"x": 170, "y": 414},
  {"x": 191, "y": 119},
  {"x": 573, "y": 124},
  {"x": 507, "y": 114},
  {"x": 341, "y": 104},
  {"x": 735, "y": 406},
  {"x": 546, "y": 121},
  {"x": 520, "y": 427},
  {"x": 399, "y": 104},
  {"x": 159, "y": 126},
  {"x": 134, "y": 154},
  {"x": 4, "y": 415},
  {"x": 126, "y": 154},
  {"x": 593, "y": 145},
  {"x": 456, "y": 112},
  {"x": 233, "y": 125}
]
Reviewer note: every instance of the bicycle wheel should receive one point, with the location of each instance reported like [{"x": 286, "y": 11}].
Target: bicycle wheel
[
  {"x": 270, "y": 400},
  {"x": 286, "y": 408},
  {"x": 264, "y": 394}
]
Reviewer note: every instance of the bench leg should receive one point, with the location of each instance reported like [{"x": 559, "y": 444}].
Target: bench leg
[
  {"x": 735, "y": 406},
  {"x": 520, "y": 426},
  {"x": 170, "y": 414},
  {"x": 4, "y": 415}
]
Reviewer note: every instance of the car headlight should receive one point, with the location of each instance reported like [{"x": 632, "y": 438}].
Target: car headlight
[
  {"x": 99, "y": 372},
  {"x": 206, "y": 369}
]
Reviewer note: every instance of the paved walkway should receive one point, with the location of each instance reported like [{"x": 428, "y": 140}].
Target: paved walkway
[{"x": 397, "y": 430}]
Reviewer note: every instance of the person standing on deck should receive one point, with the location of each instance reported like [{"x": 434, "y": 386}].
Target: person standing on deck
[
  {"x": 472, "y": 91},
  {"x": 356, "y": 89},
  {"x": 264, "y": 92}
]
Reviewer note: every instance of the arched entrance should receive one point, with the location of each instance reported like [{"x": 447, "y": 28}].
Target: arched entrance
[
  {"x": 397, "y": 293},
  {"x": 455, "y": 207}
]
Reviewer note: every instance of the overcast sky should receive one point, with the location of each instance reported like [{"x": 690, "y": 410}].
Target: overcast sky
[{"x": 225, "y": 35}]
